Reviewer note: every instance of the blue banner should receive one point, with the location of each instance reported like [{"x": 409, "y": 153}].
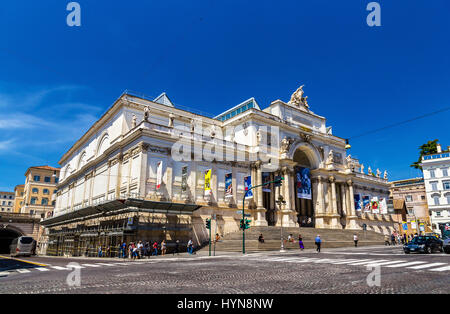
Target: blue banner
[
  {"x": 303, "y": 183},
  {"x": 357, "y": 198},
  {"x": 228, "y": 185},
  {"x": 248, "y": 186},
  {"x": 266, "y": 178}
]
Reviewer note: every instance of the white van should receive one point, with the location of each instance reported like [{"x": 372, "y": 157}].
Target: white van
[{"x": 22, "y": 246}]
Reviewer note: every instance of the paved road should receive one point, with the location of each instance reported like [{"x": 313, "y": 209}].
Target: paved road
[{"x": 331, "y": 271}]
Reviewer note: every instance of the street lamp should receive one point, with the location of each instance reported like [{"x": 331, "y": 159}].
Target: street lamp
[{"x": 281, "y": 202}]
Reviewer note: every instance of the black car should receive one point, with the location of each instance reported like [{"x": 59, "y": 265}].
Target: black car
[{"x": 423, "y": 244}]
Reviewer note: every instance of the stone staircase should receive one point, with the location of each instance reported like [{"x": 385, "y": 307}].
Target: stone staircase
[{"x": 331, "y": 238}]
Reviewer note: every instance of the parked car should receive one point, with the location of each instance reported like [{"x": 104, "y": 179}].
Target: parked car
[
  {"x": 22, "y": 246},
  {"x": 423, "y": 244},
  {"x": 446, "y": 245}
]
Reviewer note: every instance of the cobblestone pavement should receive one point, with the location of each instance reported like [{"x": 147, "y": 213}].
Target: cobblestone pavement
[{"x": 331, "y": 271}]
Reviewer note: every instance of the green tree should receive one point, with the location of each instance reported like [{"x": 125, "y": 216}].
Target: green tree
[{"x": 428, "y": 148}]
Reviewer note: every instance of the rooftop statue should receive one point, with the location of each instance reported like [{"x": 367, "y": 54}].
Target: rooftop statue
[{"x": 298, "y": 99}]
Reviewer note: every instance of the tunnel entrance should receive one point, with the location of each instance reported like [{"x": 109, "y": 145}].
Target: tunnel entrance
[{"x": 6, "y": 237}]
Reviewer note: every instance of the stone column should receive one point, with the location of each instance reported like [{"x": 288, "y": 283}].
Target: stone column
[
  {"x": 334, "y": 224},
  {"x": 260, "y": 210},
  {"x": 276, "y": 206},
  {"x": 351, "y": 218},
  {"x": 319, "y": 202},
  {"x": 288, "y": 212},
  {"x": 144, "y": 170}
]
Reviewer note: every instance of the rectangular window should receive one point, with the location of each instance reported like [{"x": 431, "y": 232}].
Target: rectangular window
[
  {"x": 47, "y": 179},
  {"x": 446, "y": 185},
  {"x": 445, "y": 172},
  {"x": 432, "y": 174},
  {"x": 37, "y": 178},
  {"x": 434, "y": 186},
  {"x": 409, "y": 198},
  {"x": 438, "y": 214},
  {"x": 436, "y": 200},
  {"x": 56, "y": 180}
]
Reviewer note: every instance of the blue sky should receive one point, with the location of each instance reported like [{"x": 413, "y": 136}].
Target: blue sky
[{"x": 55, "y": 80}]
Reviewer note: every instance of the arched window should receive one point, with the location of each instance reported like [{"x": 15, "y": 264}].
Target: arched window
[
  {"x": 46, "y": 191},
  {"x": 35, "y": 190},
  {"x": 435, "y": 198},
  {"x": 33, "y": 200},
  {"x": 104, "y": 144},
  {"x": 44, "y": 201},
  {"x": 447, "y": 196}
]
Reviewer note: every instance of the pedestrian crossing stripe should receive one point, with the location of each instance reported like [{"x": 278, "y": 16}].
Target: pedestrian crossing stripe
[
  {"x": 59, "y": 268},
  {"x": 22, "y": 270},
  {"x": 351, "y": 261},
  {"x": 91, "y": 265},
  {"x": 42, "y": 269},
  {"x": 383, "y": 263},
  {"x": 441, "y": 268},
  {"x": 406, "y": 264},
  {"x": 426, "y": 265},
  {"x": 367, "y": 262}
]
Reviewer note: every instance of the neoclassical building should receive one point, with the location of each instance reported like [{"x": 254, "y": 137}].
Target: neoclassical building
[{"x": 149, "y": 169}]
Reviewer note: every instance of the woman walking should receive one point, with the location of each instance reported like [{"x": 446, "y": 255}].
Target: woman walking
[
  {"x": 163, "y": 247},
  {"x": 300, "y": 242}
]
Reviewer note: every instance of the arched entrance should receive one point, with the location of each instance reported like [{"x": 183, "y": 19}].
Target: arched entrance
[
  {"x": 306, "y": 159},
  {"x": 6, "y": 237}
]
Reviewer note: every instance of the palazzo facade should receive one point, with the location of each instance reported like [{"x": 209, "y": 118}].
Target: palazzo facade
[{"x": 139, "y": 174}]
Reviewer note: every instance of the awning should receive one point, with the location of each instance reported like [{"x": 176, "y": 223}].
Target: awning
[{"x": 125, "y": 206}]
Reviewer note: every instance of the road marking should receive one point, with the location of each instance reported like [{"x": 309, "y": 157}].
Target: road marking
[
  {"x": 441, "y": 268},
  {"x": 4, "y": 274},
  {"x": 42, "y": 269},
  {"x": 367, "y": 262},
  {"x": 22, "y": 260},
  {"x": 59, "y": 268},
  {"x": 325, "y": 260},
  {"x": 426, "y": 265},
  {"x": 104, "y": 264},
  {"x": 91, "y": 265},
  {"x": 337, "y": 262},
  {"x": 384, "y": 263},
  {"x": 307, "y": 260},
  {"x": 405, "y": 264},
  {"x": 284, "y": 259},
  {"x": 22, "y": 270},
  {"x": 352, "y": 261}
]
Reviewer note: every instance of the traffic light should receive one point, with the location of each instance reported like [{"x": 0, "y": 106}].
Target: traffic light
[
  {"x": 242, "y": 225},
  {"x": 208, "y": 223},
  {"x": 247, "y": 223},
  {"x": 278, "y": 180}
]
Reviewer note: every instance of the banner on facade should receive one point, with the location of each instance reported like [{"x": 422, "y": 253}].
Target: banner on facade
[
  {"x": 413, "y": 225},
  {"x": 303, "y": 183},
  {"x": 248, "y": 186},
  {"x": 357, "y": 198},
  {"x": 375, "y": 207},
  {"x": 383, "y": 206},
  {"x": 421, "y": 227},
  {"x": 405, "y": 226},
  {"x": 159, "y": 175},
  {"x": 366, "y": 203},
  {"x": 229, "y": 185},
  {"x": 265, "y": 179},
  {"x": 208, "y": 182},
  {"x": 184, "y": 174}
]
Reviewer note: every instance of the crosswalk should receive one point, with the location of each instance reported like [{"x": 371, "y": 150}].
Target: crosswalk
[
  {"x": 61, "y": 268},
  {"x": 365, "y": 262}
]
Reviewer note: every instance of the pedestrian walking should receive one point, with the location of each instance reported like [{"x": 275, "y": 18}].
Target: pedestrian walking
[
  {"x": 300, "y": 242},
  {"x": 155, "y": 249},
  {"x": 393, "y": 239},
  {"x": 177, "y": 247},
  {"x": 190, "y": 246},
  {"x": 100, "y": 253},
  {"x": 386, "y": 240},
  {"x": 163, "y": 247},
  {"x": 318, "y": 242},
  {"x": 355, "y": 239}
]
